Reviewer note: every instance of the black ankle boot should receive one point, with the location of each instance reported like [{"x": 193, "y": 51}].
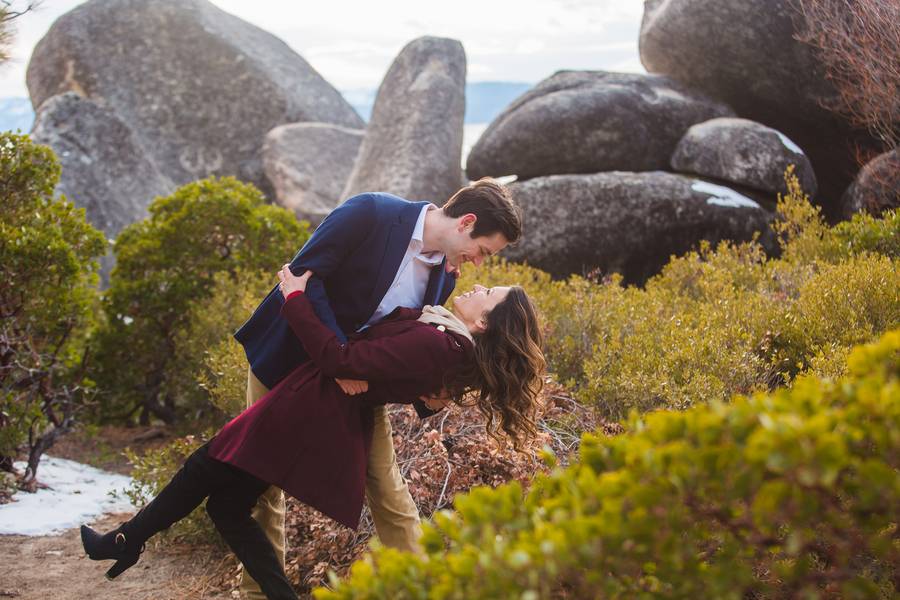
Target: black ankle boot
[{"x": 113, "y": 545}]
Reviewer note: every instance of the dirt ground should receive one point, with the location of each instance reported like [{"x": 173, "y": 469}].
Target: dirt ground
[
  {"x": 55, "y": 567},
  {"x": 40, "y": 568}
]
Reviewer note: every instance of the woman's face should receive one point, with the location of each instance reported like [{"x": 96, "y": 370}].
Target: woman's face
[{"x": 474, "y": 305}]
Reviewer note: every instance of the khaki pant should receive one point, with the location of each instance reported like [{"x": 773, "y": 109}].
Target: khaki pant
[{"x": 393, "y": 510}]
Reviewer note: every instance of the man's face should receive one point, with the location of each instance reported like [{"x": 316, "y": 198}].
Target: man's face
[{"x": 461, "y": 247}]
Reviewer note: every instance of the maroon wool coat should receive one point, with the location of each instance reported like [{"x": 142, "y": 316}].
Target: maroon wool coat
[{"x": 309, "y": 438}]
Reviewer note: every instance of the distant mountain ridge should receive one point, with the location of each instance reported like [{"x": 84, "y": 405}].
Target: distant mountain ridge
[
  {"x": 484, "y": 101},
  {"x": 487, "y": 99},
  {"x": 16, "y": 113}
]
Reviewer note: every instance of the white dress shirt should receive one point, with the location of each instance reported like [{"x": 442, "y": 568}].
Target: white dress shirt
[{"x": 411, "y": 280}]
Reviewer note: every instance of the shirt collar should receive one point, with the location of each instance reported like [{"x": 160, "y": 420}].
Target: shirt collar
[
  {"x": 418, "y": 233},
  {"x": 418, "y": 236}
]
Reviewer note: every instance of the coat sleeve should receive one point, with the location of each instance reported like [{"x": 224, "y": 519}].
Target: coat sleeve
[
  {"x": 342, "y": 231},
  {"x": 408, "y": 355}
]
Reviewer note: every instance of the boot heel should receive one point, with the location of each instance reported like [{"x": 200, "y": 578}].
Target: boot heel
[
  {"x": 123, "y": 564},
  {"x": 113, "y": 545}
]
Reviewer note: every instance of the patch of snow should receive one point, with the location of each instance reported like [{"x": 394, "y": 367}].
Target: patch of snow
[
  {"x": 76, "y": 494},
  {"x": 790, "y": 145},
  {"x": 723, "y": 196},
  {"x": 669, "y": 93}
]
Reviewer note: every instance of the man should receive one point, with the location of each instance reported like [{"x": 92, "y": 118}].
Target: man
[{"x": 372, "y": 254}]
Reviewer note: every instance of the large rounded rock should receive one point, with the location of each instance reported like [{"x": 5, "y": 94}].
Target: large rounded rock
[
  {"x": 309, "y": 164},
  {"x": 104, "y": 168},
  {"x": 199, "y": 87},
  {"x": 744, "y": 52},
  {"x": 876, "y": 188},
  {"x": 590, "y": 121},
  {"x": 630, "y": 223},
  {"x": 413, "y": 142},
  {"x": 743, "y": 152}
]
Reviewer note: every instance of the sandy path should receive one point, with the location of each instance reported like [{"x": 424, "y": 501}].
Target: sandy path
[{"x": 55, "y": 567}]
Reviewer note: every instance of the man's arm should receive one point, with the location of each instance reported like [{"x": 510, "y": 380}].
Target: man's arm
[
  {"x": 321, "y": 304},
  {"x": 342, "y": 231}
]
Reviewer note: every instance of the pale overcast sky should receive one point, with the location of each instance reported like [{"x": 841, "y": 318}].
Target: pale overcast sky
[{"x": 352, "y": 42}]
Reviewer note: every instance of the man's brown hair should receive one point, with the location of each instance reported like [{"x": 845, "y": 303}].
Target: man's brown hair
[{"x": 492, "y": 204}]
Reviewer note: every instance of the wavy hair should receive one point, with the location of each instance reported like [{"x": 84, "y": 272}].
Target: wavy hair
[{"x": 506, "y": 376}]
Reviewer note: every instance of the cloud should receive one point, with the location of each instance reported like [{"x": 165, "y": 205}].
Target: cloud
[
  {"x": 530, "y": 46},
  {"x": 352, "y": 43}
]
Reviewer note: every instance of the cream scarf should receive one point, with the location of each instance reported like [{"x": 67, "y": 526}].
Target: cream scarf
[{"x": 440, "y": 316}]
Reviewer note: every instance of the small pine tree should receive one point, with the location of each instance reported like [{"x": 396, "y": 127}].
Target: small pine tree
[
  {"x": 47, "y": 298},
  {"x": 165, "y": 265}
]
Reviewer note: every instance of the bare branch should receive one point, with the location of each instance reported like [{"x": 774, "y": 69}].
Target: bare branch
[
  {"x": 857, "y": 41},
  {"x": 8, "y": 13}
]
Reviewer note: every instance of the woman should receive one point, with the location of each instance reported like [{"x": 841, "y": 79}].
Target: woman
[{"x": 311, "y": 440}]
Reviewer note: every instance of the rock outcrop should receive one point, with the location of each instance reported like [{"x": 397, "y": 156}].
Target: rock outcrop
[
  {"x": 876, "y": 187},
  {"x": 308, "y": 164},
  {"x": 744, "y": 52},
  {"x": 104, "y": 168},
  {"x": 200, "y": 88},
  {"x": 413, "y": 141},
  {"x": 590, "y": 121},
  {"x": 630, "y": 223},
  {"x": 743, "y": 152}
]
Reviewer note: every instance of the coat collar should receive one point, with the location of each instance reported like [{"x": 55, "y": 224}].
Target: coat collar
[
  {"x": 402, "y": 313},
  {"x": 398, "y": 238}
]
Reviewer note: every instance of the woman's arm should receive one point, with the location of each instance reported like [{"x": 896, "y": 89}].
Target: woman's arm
[{"x": 408, "y": 355}]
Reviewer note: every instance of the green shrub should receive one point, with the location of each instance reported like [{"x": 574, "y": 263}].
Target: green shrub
[
  {"x": 165, "y": 265},
  {"x": 793, "y": 494},
  {"x": 48, "y": 274},
  {"x": 224, "y": 371}
]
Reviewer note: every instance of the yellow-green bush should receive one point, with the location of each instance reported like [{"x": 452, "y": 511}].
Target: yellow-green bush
[
  {"x": 573, "y": 312},
  {"x": 721, "y": 321},
  {"x": 690, "y": 334},
  {"x": 709, "y": 327},
  {"x": 806, "y": 237},
  {"x": 841, "y": 305},
  {"x": 793, "y": 494}
]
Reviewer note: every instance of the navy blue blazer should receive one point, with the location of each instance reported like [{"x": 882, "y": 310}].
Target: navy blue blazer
[{"x": 355, "y": 254}]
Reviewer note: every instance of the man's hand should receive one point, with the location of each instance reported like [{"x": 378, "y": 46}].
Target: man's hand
[
  {"x": 436, "y": 401},
  {"x": 352, "y": 387}
]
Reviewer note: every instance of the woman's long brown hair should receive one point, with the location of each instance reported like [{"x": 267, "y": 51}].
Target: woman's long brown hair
[{"x": 507, "y": 373}]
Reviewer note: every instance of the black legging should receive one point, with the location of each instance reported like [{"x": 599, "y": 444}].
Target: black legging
[{"x": 232, "y": 495}]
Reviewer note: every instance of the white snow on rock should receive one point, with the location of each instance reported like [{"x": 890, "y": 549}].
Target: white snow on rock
[
  {"x": 723, "y": 196},
  {"x": 76, "y": 494},
  {"x": 789, "y": 144}
]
